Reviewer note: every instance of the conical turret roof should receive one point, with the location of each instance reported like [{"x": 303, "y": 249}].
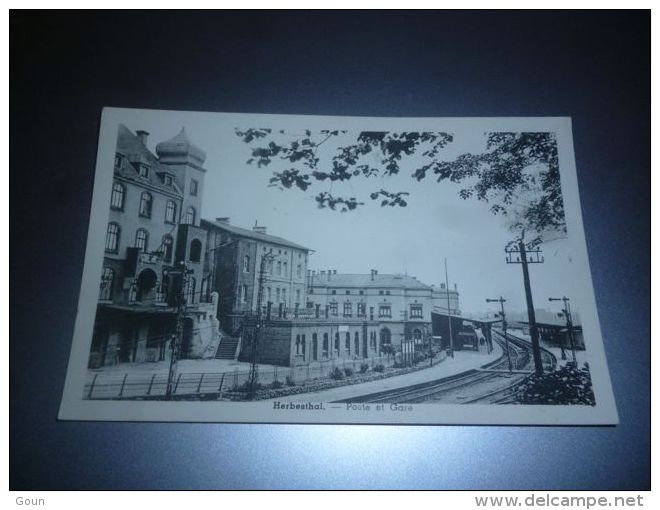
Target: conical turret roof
[{"x": 181, "y": 148}]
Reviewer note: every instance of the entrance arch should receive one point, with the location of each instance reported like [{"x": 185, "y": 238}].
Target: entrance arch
[
  {"x": 146, "y": 282},
  {"x": 385, "y": 337}
]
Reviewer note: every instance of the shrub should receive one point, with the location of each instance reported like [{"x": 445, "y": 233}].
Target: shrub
[
  {"x": 290, "y": 381},
  {"x": 348, "y": 371},
  {"x": 398, "y": 364},
  {"x": 379, "y": 368},
  {"x": 419, "y": 357},
  {"x": 276, "y": 385},
  {"x": 364, "y": 367},
  {"x": 337, "y": 374},
  {"x": 568, "y": 385},
  {"x": 246, "y": 387}
]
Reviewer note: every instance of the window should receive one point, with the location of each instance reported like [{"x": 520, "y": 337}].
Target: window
[
  {"x": 269, "y": 292},
  {"x": 357, "y": 343},
  {"x": 417, "y": 336},
  {"x": 190, "y": 216},
  {"x": 348, "y": 292},
  {"x": 242, "y": 294},
  {"x": 195, "y": 250},
  {"x": 112, "y": 238},
  {"x": 347, "y": 344},
  {"x": 348, "y": 309},
  {"x": 168, "y": 242},
  {"x": 310, "y": 291},
  {"x": 325, "y": 345},
  {"x": 298, "y": 345},
  {"x": 337, "y": 343},
  {"x": 143, "y": 170},
  {"x": 298, "y": 296},
  {"x": 285, "y": 269},
  {"x": 384, "y": 311},
  {"x": 141, "y": 239},
  {"x": 333, "y": 309},
  {"x": 333, "y": 292},
  {"x": 279, "y": 268},
  {"x": 416, "y": 311},
  {"x": 381, "y": 292},
  {"x": 193, "y": 187},
  {"x": 190, "y": 290},
  {"x": 107, "y": 279},
  {"x": 361, "y": 309},
  {"x": 372, "y": 339},
  {"x": 361, "y": 293},
  {"x": 284, "y": 296},
  {"x": 246, "y": 264},
  {"x": 170, "y": 211},
  {"x": 168, "y": 180},
  {"x": 117, "y": 197},
  {"x": 145, "y": 205},
  {"x": 277, "y": 295},
  {"x": 118, "y": 159},
  {"x": 303, "y": 345},
  {"x": 387, "y": 292},
  {"x": 298, "y": 270}
]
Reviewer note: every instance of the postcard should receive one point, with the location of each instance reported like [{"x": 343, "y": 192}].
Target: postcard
[{"x": 308, "y": 269}]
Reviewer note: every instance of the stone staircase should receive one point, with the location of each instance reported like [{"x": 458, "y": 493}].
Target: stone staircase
[{"x": 227, "y": 348}]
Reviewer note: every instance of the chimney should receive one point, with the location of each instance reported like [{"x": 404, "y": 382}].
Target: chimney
[
  {"x": 142, "y": 136},
  {"x": 455, "y": 288},
  {"x": 259, "y": 229},
  {"x": 329, "y": 273},
  {"x": 374, "y": 272},
  {"x": 224, "y": 220}
]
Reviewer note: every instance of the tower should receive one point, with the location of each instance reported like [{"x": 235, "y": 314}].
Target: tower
[{"x": 185, "y": 160}]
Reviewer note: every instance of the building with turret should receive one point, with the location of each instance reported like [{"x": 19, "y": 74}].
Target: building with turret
[{"x": 154, "y": 249}]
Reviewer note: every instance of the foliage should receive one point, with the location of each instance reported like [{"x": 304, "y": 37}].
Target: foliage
[
  {"x": 568, "y": 385},
  {"x": 517, "y": 174},
  {"x": 364, "y": 367},
  {"x": 348, "y": 371},
  {"x": 379, "y": 368},
  {"x": 337, "y": 374},
  {"x": 398, "y": 364},
  {"x": 276, "y": 385},
  {"x": 290, "y": 381},
  {"x": 419, "y": 357},
  {"x": 388, "y": 349}
]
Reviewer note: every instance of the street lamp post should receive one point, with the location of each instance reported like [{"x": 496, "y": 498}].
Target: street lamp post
[
  {"x": 566, "y": 312},
  {"x": 501, "y": 301}
]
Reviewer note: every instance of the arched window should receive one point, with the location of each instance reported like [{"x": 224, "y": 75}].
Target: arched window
[
  {"x": 325, "y": 345},
  {"x": 246, "y": 264},
  {"x": 117, "y": 197},
  {"x": 297, "y": 345},
  {"x": 315, "y": 347},
  {"x": 279, "y": 268},
  {"x": 337, "y": 342},
  {"x": 168, "y": 243},
  {"x": 195, "y": 250},
  {"x": 347, "y": 344},
  {"x": 170, "y": 212},
  {"x": 298, "y": 270},
  {"x": 285, "y": 269},
  {"x": 190, "y": 290},
  {"x": 141, "y": 239},
  {"x": 112, "y": 238},
  {"x": 303, "y": 345},
  {"x": 107, "y": 280},
  {"x": 357, "y": 343},
  {"x": 145, "y": 204},
  {"x": 190, "y": 216}
]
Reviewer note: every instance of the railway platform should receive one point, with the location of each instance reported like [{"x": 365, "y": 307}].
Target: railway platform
[{"x": 462, "y": 362}]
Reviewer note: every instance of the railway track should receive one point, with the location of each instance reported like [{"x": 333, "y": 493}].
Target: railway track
[{"x": 492, "y": 383}]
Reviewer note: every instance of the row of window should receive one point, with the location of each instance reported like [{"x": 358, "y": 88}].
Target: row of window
[
  {"x": 117, "y": 200},
  {"x": 142, "y": 243},
  {"x": 348, "y": 292},
  {"x": 282, "y": 268},
  {"x": 280, "y": 295},
  {"x": 301, "y": 344},
  {"x": 143, "y": 171},
  {"x": 416, "y": 310}
]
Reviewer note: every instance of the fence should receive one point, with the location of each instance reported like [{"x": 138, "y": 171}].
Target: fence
[{"x": 125, "y": 386}]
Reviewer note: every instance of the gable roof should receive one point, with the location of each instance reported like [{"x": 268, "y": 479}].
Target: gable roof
[
  {"x": 134, "y": 151},
  {"x": 251, "y": 234},
  {"x": 366, "y": 281}
]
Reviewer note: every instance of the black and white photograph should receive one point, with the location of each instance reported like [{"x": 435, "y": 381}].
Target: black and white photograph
[{"x": 265, "y": 268}]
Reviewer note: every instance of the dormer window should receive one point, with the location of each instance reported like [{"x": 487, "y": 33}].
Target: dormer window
[
  {"x": 143, "y": 170},
  {"x": 168, "y": 180}
]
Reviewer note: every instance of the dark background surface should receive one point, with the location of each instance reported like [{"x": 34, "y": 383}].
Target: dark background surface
[{"x": 594, "y": 67}]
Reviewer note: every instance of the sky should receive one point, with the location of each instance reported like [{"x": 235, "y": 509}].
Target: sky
[{"x": 414, "y": 240}]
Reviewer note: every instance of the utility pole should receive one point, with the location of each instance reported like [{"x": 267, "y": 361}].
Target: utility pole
[
  {"x": 177, "y": 337},
  {"x": 451, "y": 336},
  {"x": 501, "y": 301},
  {"x": 569, "y": 326},
  {"x": 525, "y": 257},
  {"x": 253, "y": 377}
]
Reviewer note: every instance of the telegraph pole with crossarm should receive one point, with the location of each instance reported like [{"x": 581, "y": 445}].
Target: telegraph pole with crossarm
[
  {"x": 519, "y": 254},
  {"x": 569, "y": 325}
]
